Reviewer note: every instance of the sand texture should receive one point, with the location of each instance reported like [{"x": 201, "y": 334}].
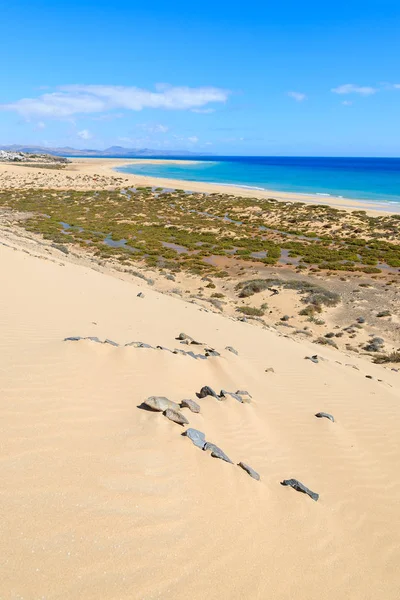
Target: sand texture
[{"x": 104, "y": 500}]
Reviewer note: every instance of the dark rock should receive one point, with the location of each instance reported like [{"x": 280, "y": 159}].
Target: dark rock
[
  {"x": 161, "y": 403},
  {"x": 107, "y": 341},
  {"x": 249, "y": 470},
  {"x": 313, "y": 358},
  {"x": 91, "y": 338},
  {"x": 184, "y": 336},
  {"x": 216, "y": 452},
  {"x": 197, "y": 437},
  {"x": 230, "y": 349},
  {"x": 369, "y": 376},
  {"x": 360, "y": 320},
  {"x": 300, "y": 487},
  {"x": 320, "y": 415},
  {"x": 245, "y": 396},
  {"x": 225, "y": 394},
  {"x": 330, "y": 335},
  {"x": 384, "y": 313},
  {"x": 176, "y": 416},
  {"x": 207, "y": 391},
  {"x": 140, "y": 295},
  {"x": 211, "y": 352},
  {"x": 270, "y": 370},
  {"x": 139, "y": 345},
  {"x": 191, "y": 404},
  {"x": 285, "y": 318}
]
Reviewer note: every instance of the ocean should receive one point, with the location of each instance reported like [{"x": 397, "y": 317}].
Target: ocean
[{"x": 370, "y": 179}]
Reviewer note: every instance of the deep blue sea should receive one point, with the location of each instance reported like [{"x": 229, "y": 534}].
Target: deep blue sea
[{"x": 371, "y": 179}]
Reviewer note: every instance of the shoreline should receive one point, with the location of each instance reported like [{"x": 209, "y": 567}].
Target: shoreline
[
  {"x": 103, "y": 173},
  {"x": 370, "y": 206}
]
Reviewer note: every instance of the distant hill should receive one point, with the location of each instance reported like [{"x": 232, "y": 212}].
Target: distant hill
[{"x": 117, "y": 151}]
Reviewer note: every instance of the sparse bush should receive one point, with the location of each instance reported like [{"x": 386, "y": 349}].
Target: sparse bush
[{"x": 250, "y": 311}]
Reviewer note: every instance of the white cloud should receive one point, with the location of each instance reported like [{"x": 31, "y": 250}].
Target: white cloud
[
  {"x": 70, "y": 100},
  {"x": 85, "y": 134},
  {"x": 298, "y": 96},
  {"x": 351, "y": 88},
  {"x": 347, "y": 103},
  {"x": 203, "y": 111},
  {"x": 193, "y": 139},
  {"x": 40, "y": 125},
  {"x": 153, "y": 127}
]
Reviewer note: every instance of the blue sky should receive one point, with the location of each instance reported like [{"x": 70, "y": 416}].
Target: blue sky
[{"x": 256, "y": 78}]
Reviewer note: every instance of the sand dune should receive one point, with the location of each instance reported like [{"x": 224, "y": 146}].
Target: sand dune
[{"x": 102, "y": 499}]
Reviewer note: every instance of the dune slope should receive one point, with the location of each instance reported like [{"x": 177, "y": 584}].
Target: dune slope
[{"x": 102, "y": 499}]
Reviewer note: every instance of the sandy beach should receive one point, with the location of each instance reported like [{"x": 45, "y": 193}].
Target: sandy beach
[
  {"x": 105, "y": 499},
  {"x": 99, "y": 173}
]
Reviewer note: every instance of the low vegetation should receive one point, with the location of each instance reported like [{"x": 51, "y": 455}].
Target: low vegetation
[{"x": 174, "y": 230}]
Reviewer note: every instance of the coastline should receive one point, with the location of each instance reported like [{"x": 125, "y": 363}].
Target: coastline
[
  {"x": 371, "y": 207},
  {"x": 102, "y": 173}
]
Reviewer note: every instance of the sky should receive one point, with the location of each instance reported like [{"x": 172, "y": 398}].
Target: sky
[{"x": 216, "y": 77}]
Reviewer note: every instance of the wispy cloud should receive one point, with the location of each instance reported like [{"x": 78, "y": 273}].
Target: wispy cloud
[
  {"x": 203, "y": 111},
  {"x": 153, "y": 127},
  {"x": 347, "y": 103},
  {"x": 351, "y": 88},
  {"x": 85, "y": 134},
  {"x": 71, "y": 100},
  {"x": 193, "y": 139},
  {"x": 298, "y": 96}
]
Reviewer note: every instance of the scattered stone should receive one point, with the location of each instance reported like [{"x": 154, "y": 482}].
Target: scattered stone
[
  {"x": 320, "y": 415},
  {"x": 107, "y": 341},
  {"x": 360, "y": 320},
  {"x": 249, "y": 470},
  {"x": 330, "y": 335},
  {"x": 161, "y": 403},
  {"x": 216, "y": 452},
  {"x": 300, "y": 487},
  {"x": 140, "y": 295},
  {"x": 183, "y": 336},
  {"x": 179, "y": 351},
  {"x": 384, "y": 313},
  {"x": 191, "y": 404},
  {"x": 139, "y": 345},
  {"x": 313, "y": 358},
  {"x": 285, "y": 318},
  {"x": 197, "y": 437},
  {"x": 176, "y": 416},
  {"x": 225, "y": 394},
  {"x": 270, "y": 370},
  {"x": 230, "y": 349},
  {"x": 369, "y": 376},
  {"x": 91, "y": 338},
  {"x": 352, "y": 366},
  {"x": 207, "y": 391},
  {"x": 211, "y": 352},
  {"x": 244, "y": 396}
]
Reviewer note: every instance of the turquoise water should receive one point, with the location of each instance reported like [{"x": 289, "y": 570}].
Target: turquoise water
[{"x": 371, "y": 179}]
